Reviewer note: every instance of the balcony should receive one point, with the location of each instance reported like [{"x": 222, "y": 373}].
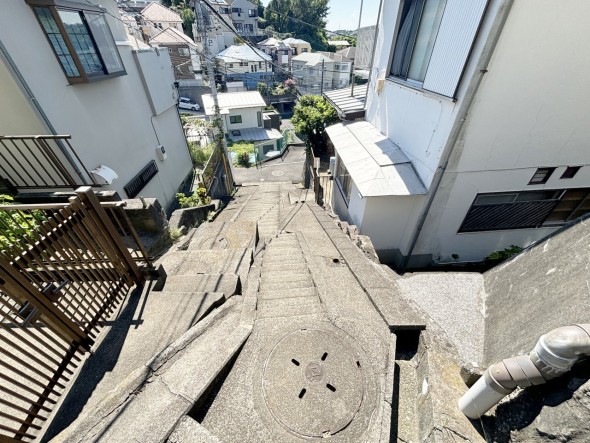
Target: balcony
[{"x": 41, "y": 163}]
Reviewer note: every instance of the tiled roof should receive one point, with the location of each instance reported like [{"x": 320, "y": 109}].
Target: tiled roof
[
  {"x": 172, "y": 36},
  {"x": 233, "y": 100},
  {"x": 237, "y": 53},
  {"x": 155, "y": 12},
  {"x": 377, "y": 166}
]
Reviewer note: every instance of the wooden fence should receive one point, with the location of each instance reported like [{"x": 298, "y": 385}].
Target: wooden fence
[{"x": 63, "y": 269}]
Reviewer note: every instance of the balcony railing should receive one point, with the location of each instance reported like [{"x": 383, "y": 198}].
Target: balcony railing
[{"x": 29, "y": 162}]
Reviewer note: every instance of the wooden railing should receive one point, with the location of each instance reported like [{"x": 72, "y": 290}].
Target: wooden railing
[
  {"x": 41, "y": 162},
  {"x": 63, "y": 269}
]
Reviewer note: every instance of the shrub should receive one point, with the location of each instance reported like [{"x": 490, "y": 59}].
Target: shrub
[
  {"x": 198, "y": 198},
  {"x": 243, "y": 151},
  {"x": 18, "y": 224},
  {"x": 500, "y": 256},
  {"x": 200, "y": 155}
]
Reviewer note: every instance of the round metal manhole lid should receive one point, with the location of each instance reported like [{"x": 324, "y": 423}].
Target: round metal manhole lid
[
  {"x": 313, "y": 383},
  {"x": 277, "y": 173}
]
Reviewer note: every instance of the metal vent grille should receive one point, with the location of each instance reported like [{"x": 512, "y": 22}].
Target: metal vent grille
[
  {"x": 507, "y": 216},
  {"x": 138, "y": 182}
]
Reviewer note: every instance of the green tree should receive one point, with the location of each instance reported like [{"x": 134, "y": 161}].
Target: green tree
[
  {"x": 311, "y": 116},
  {"x": 304, "y": 19},
  {"x": 188, "y": 18}
]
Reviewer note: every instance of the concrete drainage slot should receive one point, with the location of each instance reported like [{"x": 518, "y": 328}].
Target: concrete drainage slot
[
  {"x": 405, "y": 386},
  {"x": 320, "y": 370}
]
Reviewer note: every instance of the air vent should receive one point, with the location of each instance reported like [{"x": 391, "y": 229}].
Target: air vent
[{"x": 138, "y": 182}]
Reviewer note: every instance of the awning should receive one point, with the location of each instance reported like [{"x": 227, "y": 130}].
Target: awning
[
  {"x": 255, "y": 134},
  {"x": 377, "y": 166},
  {"x": 349, "y": 104}
]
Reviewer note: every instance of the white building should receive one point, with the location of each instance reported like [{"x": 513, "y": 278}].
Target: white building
[
  {"x": 243, "y": 114},
  {"x": 244, "y": 15},
  {"x": 317, "y": 72},
  {"x": 242, "y": 63},
  {"x": 118, "y": 104},
  {"x": 220, "y": 32},
  {"x": 280, "y": 52},
  {"x": 155, "y": 18},
  {"x": 475, "y": 142},
  {"x": 297, "y": 45}
]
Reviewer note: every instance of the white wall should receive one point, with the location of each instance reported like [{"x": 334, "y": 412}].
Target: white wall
[
  {"x": 249, "y": 118},
  {"x": 110, "y": 120},
  {"x": 531, "y": 111},
  {"x": 418, "y": 121}
]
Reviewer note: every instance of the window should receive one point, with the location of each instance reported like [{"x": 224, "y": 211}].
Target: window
[
  {"x": 253, "y": 68},
  {"x": 249, "y": 28},
  {"x": 433, "y": 42},
  {"x": 311, "y": 71},
  {"x": 239, "y": 27},
  {"x": 260, "y": 64},
  {"x": 243, "y": 64},
  {"x": 303, "y": 49},
  {"x": 419, "y": 24},
  {"x": 230, "y": 65},
  {"x": 184, "y": 51},
  {"x": 259, "y": 118},
  {"x": 252, "y": 13},
  {"x": 573, "y": 204},
  {"x": 235, "y": 119},
  {"x": 343, "y": 179},
  {"x": 541, "y": 176},
  {"x": 224, "y": 10},
  {"x": 81, "y": 41},
  {"x": 337, "y": 67},
  {"x": 570, "y": 171}
]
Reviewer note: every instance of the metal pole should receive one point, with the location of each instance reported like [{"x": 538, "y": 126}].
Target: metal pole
[
  {"x": 217, "y": 120},
  {"x": 357, "y": 35},
  {"x": 322, "y": 83}
]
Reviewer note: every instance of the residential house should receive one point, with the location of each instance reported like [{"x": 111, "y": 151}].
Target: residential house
[
  {"x": 244, "y": 15},
  {"x": 243, "y": 63},
  {"x": 244, "y": 120},
  {"x": 117, "y": 103},
  {"x": 220, "y": 32},
  {"x": 321, "y": 71},
  {"x": 280, "y": 52},
  {"x": 186, "y": 61},
  {"x": 155, "y": 18},
  {"x": 342, "y": 69},
  {"x": 471, "y": 143},
  {"x": 297, "y": 45}
]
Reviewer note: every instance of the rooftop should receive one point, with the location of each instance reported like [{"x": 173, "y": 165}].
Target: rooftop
[
  {"x": 239, "y": 53},
  {"x": 233, "y": 100},
  {"x": 349, "y": 103},
  {"x": 295, "y": 41},
  {"x": 377, "y": 166},
  {"x": 155, "y": 12},
  {"x": 256, "y": 134},
  {"x": 338, "y": 43},
  {"x": 311, "y": 58},
  {"x": 172, "y": 36}
]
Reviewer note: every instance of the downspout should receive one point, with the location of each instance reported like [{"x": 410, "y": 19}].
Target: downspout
[
  {"x": 554, "y": 355},
  {"x": 480, "y": 71},
  {"x": 33, "y": 100}
]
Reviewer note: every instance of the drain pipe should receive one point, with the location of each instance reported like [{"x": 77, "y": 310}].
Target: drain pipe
[{"x": 554, "y": 355}]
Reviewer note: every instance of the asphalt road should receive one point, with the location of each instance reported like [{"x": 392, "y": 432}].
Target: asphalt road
[{"x": 287, "y": 169}]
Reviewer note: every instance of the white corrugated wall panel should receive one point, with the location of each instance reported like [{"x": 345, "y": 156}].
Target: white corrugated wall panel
[{"x": 455, "y": 37}]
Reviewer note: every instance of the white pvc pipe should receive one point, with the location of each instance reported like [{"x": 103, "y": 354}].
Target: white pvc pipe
[{"x": 479, "y": 399}]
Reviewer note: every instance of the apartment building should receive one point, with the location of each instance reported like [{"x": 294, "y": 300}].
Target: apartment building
[
  {"x": 243, "y": 63},
  {"x": 244, "y": 16},
  {"x": 318, "y": 72}
]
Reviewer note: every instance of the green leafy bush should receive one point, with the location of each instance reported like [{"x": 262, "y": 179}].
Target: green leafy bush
[
  {"x": 200, "y": 155},
  {"x": 198, "y": 198},
  {"x": 243, "y": 151},
  {"x": 15, "y": 226},
  {"x": 499, "y": 256}
]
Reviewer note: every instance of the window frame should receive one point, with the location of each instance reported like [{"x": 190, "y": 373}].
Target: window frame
[
  {"x": 235, "y": 119},
  {"x": 344, "y": 185},
  {"x": 549, "y": 172},
  {"x": 570, "y": 172},
  {"x": 54, "y": 6}
]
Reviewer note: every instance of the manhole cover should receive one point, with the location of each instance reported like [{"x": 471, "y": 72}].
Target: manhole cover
[
  {"x": 277, "y": 173},
  {"x": 313, "y": 382}
]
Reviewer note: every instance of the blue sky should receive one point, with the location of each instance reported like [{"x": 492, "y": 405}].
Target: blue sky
[{"x": 344, "y": 14}]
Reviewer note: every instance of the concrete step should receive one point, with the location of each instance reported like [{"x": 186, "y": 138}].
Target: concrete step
[
  {"x": 195, "y": 305},
  {"x": 282, "y": 243},
  {"x": 289, "y": 307},
  {"x": 284, "y": 275},
  {"x": 224, "y": 235},
  {"x": 292, "y": 266},
  {"x": 284, "y": 293},
  {"x": 268, "y": 283},
  {"x": 220, "y": 261},
  {"x": 229, "y": 284},
  {"x": 271, "y": 251}
]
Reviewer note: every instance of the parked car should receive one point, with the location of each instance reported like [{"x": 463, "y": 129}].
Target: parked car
[{"x": 187, "y": 103}]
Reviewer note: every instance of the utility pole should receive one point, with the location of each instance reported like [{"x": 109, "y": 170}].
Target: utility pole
[
  {"x": 322, "y": 83},
  {"x": 357, "y": 36},
  {"x": 220, "y": 142}
]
